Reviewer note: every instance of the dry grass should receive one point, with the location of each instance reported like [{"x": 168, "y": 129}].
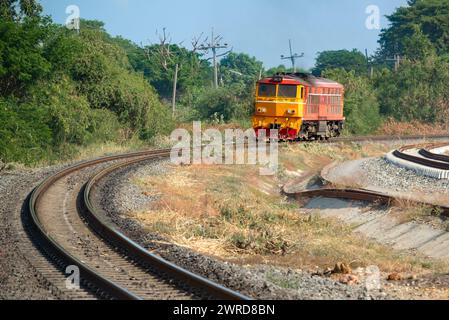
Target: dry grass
[
  {"x": 348, "y": 182},
  {"x": 408, "y": 210},
  {"x": 232, "y": 213},
  {"x": 393, "y": 127}
]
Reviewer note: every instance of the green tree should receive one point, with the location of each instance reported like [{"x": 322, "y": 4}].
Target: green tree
[
  {"x": 157, "y": 63},
  {"x": 418, "y": 91},
  {"x": 227, "y": 103},
  {"x": 429, "y": 16},
  {"x": 11, "y": 10},
  {"x": 345, "y": 59},
  {"x": 21, "y": 54},
  {"x": 240, "y": 68},
  {"x": 361, "y": 104},
  {"x": 282, "y": 69},
  {"x": 418, "y": 46}
]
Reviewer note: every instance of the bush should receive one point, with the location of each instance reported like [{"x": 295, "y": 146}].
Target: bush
[
  {"x": 417, "y": 92},
  {"x": 228, "y": 103},
  {"x": 25, "y": 135},
  {"x": 361, "y": 104}
]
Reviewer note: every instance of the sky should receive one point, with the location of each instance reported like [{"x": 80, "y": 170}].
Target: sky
[{"x": 260, "y": 28}]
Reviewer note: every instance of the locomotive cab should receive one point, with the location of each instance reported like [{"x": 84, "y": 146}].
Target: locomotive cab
[{"x": 299, "y": 106}]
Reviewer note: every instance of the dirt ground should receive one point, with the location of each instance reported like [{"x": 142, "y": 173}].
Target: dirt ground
[{"x": 232, "y": 213}]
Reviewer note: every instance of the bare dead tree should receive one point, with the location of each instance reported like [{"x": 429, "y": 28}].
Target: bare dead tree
[{"x": 162, "y": 51}]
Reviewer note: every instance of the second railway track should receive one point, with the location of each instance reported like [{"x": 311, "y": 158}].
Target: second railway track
[
  {"x": 64, "y": 226},
  {"x": 111, "y": 266}
]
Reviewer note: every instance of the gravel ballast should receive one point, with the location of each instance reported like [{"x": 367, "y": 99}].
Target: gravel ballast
[
  {"x": 117, "y": 196},
  {"x": 383, "y": 174},
  {"x": 19, "y": 280}
]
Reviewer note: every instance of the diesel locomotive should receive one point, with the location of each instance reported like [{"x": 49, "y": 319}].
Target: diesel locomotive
[{"x": 300, "y": 106}]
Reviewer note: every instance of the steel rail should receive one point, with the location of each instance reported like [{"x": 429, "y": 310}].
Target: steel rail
[
  {"x": 105, "y": 287},
  {"x": 388, "y": 138},
  {"x": 110, "y": 233},
  {"x": 362, "y": 195},
  {"x": 91, "y": 278},
  {"x": 427, "y": 153},
  {"x": 426, "y": 161}
]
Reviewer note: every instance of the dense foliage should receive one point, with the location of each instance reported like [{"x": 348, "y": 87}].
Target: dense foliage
[
  {"x": 429, "y": 16},
  {"x": 60, "y": 90},
  {"x": 344, "y": 59},
  {"x": 417, "y": 90}
]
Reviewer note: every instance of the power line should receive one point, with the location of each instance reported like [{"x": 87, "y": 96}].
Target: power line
[
  {"x": 214, "y": 45},
  {"x": 292, "y": 56}
]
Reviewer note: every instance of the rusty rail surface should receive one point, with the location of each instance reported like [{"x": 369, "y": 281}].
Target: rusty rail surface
[
  {"x": 95, "y": 282},
  {"x": 426, "y": 152},
  {"x": 110, "y": 233},
  {"x": 429, "y": 160},
  {"x": 362, "y": 195}
]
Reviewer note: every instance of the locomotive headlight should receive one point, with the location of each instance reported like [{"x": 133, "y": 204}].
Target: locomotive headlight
[
  {"x": 262, "y": 110},
  {"x": 291, "y": 111}
]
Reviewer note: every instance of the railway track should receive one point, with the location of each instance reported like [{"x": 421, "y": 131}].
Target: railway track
[
  {"x": 422, "y": 159},
  {"x": 426, "y": 158},
  {"x": 386, "y": 138},
  {"x": 67, "y": 228},
  {"x": 362, "y": 195}
]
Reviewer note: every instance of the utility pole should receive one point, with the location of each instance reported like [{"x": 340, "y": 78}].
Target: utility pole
[
  {"x": 397, "y": 62},
  {"x": 214, "y": 45},
  {"x": 369, "y": 65},
  {"x": 292, "y": 57},
  {"x": 175, "y": 84}
]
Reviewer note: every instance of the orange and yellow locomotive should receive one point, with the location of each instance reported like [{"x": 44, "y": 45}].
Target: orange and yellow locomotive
[{"x": 301, "y": 106}]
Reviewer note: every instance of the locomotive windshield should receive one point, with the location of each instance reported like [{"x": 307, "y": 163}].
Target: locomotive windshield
[
  {"x": 288, "y": 91},
  {"x": 267, "y": 90}
]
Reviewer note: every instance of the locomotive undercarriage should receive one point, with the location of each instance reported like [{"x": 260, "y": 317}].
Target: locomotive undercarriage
[{"x": 320, "y": 130}]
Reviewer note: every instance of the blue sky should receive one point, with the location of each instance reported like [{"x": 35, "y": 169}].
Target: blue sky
[{"x": 260, "y": 28}]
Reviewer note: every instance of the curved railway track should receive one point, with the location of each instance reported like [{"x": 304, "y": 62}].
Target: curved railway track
[
  {"x": 427, "y": 158},
  {"x": 111, "y": 265},
  {"x": 65, "y": 227}
]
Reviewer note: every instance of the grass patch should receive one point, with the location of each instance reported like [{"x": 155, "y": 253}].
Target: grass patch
[{"x": 232, "y": 213}]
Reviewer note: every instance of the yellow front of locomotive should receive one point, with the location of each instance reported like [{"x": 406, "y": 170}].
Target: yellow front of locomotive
[{"x": 280, "y": 106}]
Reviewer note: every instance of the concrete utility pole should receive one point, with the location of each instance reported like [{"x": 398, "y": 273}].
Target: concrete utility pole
[
  {"x": 369, "y": 65},
  {"x": 175, "y": 84},
  {"x": 214, "y": 45},
  {"x": 292, "y": 56},
  {"x": 397, "y": 62}
]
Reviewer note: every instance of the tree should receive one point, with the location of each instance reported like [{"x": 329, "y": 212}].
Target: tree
[
  {"x": 347, "y": 60},
  {"x": 418, "y": 46},
  {"x": 240, "y": 67},
  {"x": 418, "y": 91},
  {"x": 429, "y": 16},
  {"x": 13, "y": 10},
  {"x": 227, "y": 103},
  {"x": 282, "y": 69},
  {"x": 361, "y": 104},
  {"x": 21, "y": 54}
]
